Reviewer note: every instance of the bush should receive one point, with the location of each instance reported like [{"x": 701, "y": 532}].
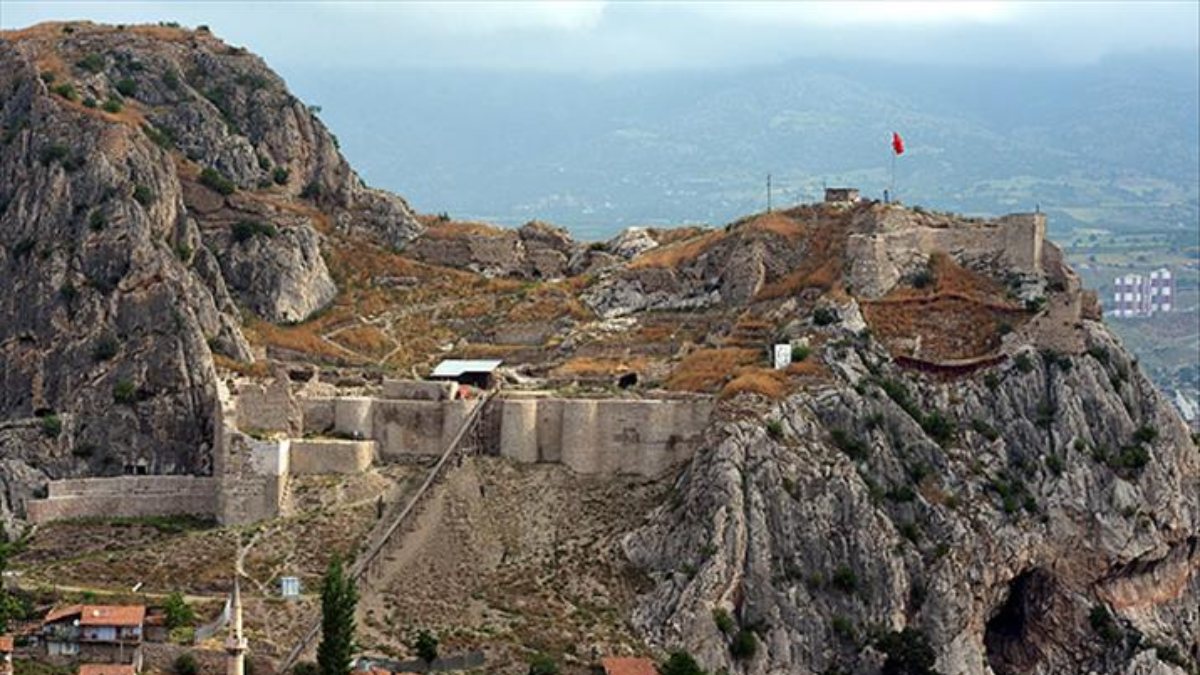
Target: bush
[
  {"x": 1035, "y": 305},
  {"x": 844, "y": 579},
  {"x": 775, "y": 429},
  {"x": 126, "y": 86},
  {"x": 939, "y": 427},
  {"x": 179, "y": 613},
  {"x": 744, "y": 645},
  {"x": 842, "y": 627},
  {"x": 143, "y": 195},
  {"x": 171, "y": 80},
  {"x": 125, "y": 392},
  {"x": 984, "y": 429},
  {"x": 311, "y": 191},
  {"x": 215, "y": 180},
  {"x": 55, "y": 152},
  {"x": 923, "y": 278},
  {"x": 163, "y": 138},
  {"x": 542, "y": 664},
  {"x": 92, "y": 63},
  {"x": 96, "y": 220},
  {"x": 823, "y": 316},
  {"x": 725, "y": 623},
  {"x": 67, "y": 91},
  {"x": 1104, "y": 625},
  {"x": 1145, "y": 434},
  {"x": 801, "y": 353},
  {"x": 908, "y": 653},
  {"x": 680, "y": 663},
  {"x": 244, "y": 230},
  {"x": 68, "y": 292},
  {"x": 426, "y": 646},
  {"x": 185, "y": 664},
  {"x": 47, "y": 77},
  {"x": 306, "y": 668},
  {"x": 90, "y": 102},
  {"x": 51, "y": 426},
  {"x": 280, "y": 175},
  {"x": 1023, "y": 362},
  {"x": 854, "y": 448}
]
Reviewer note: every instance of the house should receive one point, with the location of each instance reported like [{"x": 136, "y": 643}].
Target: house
[
  {"x": 99, "y": 634},
  {"x": 105, "y": 669},
  {"x": 625, "y": 665},
  {"x": 479, "y": 373},
  {"x": 6, "y": 654},
  {"x": 841, "y": 195}
]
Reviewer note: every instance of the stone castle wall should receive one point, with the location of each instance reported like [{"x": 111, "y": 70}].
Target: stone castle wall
[
  {"x": 125, "y": 497},
  {"x": 603, "y": 436},
  {"x": 329, "y": 456}
]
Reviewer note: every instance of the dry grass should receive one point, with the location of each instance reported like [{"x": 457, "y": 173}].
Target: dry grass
[
  {"x": 776, "y": 223},
  {"x": 707, "y": 370},
  {"x": 439, "y": 229},
  {"x": 953, "y": 279},
  {"x": 259, "y": 368},
  {"x": 365, "y": 339},
  {"x": 823, "y": 261},
  {"x": 303, "y": 338},
  {"x": 603, "y": 366},
  {"x": 772, "y": 384},
  {"x": 675, "y": 254}
]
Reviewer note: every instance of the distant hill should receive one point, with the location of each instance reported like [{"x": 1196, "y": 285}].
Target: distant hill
[{"x": 1110, "y": 146}]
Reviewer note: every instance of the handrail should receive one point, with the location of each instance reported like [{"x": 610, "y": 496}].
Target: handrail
[{"x": 358, "y": 569}]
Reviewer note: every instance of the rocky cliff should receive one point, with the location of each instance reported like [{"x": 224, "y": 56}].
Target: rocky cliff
[
  {"x": 156, "y": 186},
  {"x": 1038, "y": 517}
]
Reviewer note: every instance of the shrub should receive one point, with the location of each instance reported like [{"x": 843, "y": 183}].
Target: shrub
[
  {"x": 1023, "y": 362},
  {"x": 542, "y": 664},
  {"x": 801, "y": 353},
  {"x": 1055, "y": 464},
  {"x": 23, "y": 248},
  {"x": 179, "y": 613},
  {"x": 215, "y": 180},
  {"x": 908, "y": 653},
  {"x": 143, "y": 194},
  {"x": 744, "y": 645},
  {"x": 55, "y": 152},
  {"x": 280, "y": 175},
  {"x": 92, "y": 63},
  {"x": 1130, "y": 457},
  {"x": 426, "y": 646},
  {"x": 984, "y": 429},
  {"x": 1104, "y": 625},
  {"x": 90, "y": 102},
  {"x": 903, "y": 493},
  {"x": 185, "y": 664},
  {"x": 96, "y": 220},
  {"x": 939, "y": 427},
  {"x": 47, "y": 77},
  {"x": 1099, "y": 353},
  {"x": 51, "y": 426},
  {"x": 823, "y": 316},
  {"x": 68, "y": 292},
  {"x": 854, "y": 448},
  {"x": 67, "y": 91},
  {"x": 163, "y": 138},
  {"x": 844, "y": 579},
  {"x": 775, "y": 429},
  {"x": 1034, "y": 305},
  {"x": 125, "y": 392},
  {"x": 910, "y": 531},
  {"x": 171, "y": 80},
  {"x": 842, "y": 627},
  {"x": 923, "y": 278},
  {"x": 126, "y": 86},
  {"x": 991, "y": 381},
  {"x": 183, "y": 252},
  {"x": 311, "y": 191},
  {"x": 725, "y": 623},
  {"x": 680, "y": 663},
  {"x": 1145, "y": 434},
  {"x": 244, "y": 230},
  {"x": 306, "y": 668}
]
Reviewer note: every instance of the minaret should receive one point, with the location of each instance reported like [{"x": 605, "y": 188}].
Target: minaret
[{"x": 235, "y": 645}]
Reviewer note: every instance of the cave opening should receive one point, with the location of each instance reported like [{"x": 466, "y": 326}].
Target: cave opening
[{"x": 1012, "y": 635}]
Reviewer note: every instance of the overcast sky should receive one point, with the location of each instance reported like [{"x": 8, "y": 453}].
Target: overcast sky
[{"x": 623, "y": 36}]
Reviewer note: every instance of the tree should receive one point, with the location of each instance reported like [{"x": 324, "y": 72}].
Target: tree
[
  {"x": 339, "y": 597},
  {"x": 908, "y": 653},
  {"x": 185, "y": 664},
  {"x": 179, "y": 613},
  {"x": 542, "y": 664},
  {"x": 681, "y": 663},
  {"x": 426, "y": 646}
]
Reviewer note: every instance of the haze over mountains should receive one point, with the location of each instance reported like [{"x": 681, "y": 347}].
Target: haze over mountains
[{"x": 1111, "y": 145}]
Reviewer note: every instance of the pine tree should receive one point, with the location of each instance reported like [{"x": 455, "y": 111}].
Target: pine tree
[{"x": 338, "y": 600}]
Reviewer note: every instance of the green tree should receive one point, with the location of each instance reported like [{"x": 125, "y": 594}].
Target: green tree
[
  {"x": 339, "y": 597},
  {"x": 681, "y": 663},
  {"x": 908, "y": 653},
  {"x": 179, "y": 613},
  {"x": 426, "y": 646},
  {"x": 542, "y": 664}
]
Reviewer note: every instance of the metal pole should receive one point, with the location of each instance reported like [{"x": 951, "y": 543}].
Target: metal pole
[{"x": 768, "y": 193}]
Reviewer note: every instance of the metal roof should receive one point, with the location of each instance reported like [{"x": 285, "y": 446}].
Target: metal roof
[{"x": 456, "y": 367}]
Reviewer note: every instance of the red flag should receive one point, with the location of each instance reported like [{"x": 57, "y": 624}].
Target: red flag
[{"x": 897, "y": 144}]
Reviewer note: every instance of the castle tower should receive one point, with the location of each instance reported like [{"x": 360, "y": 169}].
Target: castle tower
[{"x": 235, "y": 645}]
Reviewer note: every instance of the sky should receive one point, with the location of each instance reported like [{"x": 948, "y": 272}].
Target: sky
[{"x": 608, "y": 37}]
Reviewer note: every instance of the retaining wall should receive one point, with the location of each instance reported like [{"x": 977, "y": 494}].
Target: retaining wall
[
  {"x": 125, "y": 497},
  {"x": 330, "y": 456},
  {"x": 603, "y": 436}
]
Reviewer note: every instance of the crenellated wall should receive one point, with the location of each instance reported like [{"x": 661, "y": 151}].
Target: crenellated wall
[{"x": 125, "y": 497}]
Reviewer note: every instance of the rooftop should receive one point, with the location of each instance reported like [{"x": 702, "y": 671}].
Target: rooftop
[
  {"x": 105, "y": 669},
  {"x": 100, "y": 615},
  {"x": 456, "y": 367},
  {"x": 6, "y": 643},
  {"x": 628, "y": 666}
]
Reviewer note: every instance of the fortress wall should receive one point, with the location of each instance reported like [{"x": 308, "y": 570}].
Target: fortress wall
[
  {"x": 125, "y": 497},
  {"x": 418, "y": 390},
  {"x": 353, "y": 416},
  {"x": 253, "y": 479},
  {"x": 267, "y": 407},
  {"x": 409, "y": 427},
  {"x": 603, "y": 436},
  {"x": 318, "y": 415},
  {"x": 330, "y": 456}
]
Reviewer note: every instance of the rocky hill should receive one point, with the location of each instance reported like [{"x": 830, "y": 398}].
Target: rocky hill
[
  {"x": 157, "y": 188},
  {"x": 961, "y": 469}
]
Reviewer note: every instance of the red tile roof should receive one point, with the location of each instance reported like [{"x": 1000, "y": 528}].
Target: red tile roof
[
  {"x": 101, "y": 615},
  {"x": 105, "y": 669},
  {"x": 628, "y": 666},
  {"x": 6, "y": 644}
]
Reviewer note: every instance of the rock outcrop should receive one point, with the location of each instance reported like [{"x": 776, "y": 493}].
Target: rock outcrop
[
  {"x": 1001, "y": 516},
  {"x": 152, "y": 180}
]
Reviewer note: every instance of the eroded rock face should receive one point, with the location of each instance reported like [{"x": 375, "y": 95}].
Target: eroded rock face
[
  {"x": 121, "y": 259},
  {"x": 536, "y": 250},
  {"x": 994, "y": 535}
]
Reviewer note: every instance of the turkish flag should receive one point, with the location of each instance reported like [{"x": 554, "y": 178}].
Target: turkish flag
[{"x": 897, "y": 144}]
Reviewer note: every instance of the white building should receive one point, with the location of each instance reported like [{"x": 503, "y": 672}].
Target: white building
[{"x": 1138, "y": 295}]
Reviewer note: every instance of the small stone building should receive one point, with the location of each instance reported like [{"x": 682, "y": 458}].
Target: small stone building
[
  {"x": 841, "y": 195},
  {"x": 479, "y": 373}
]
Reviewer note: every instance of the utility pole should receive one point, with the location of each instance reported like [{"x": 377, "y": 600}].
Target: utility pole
[{"x": 768, "y": 193}]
